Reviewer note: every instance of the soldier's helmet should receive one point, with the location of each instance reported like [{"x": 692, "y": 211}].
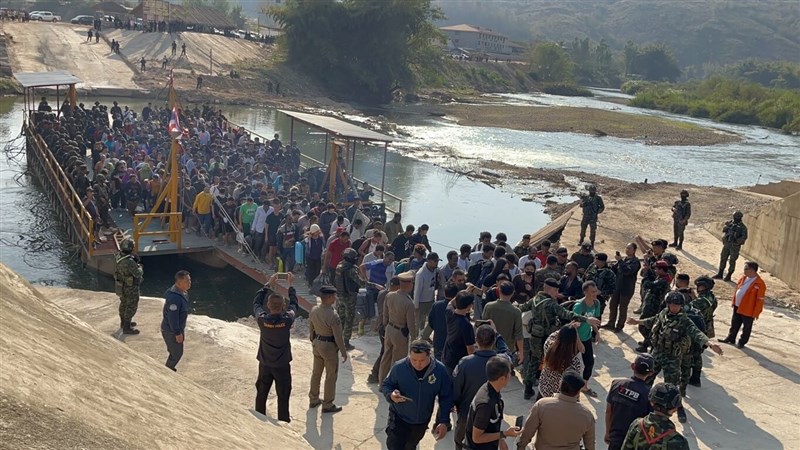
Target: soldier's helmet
[
  {"x": 100, "y": 178},
  {"x": 665, "y": 395},
  {"x": 738, "y": 215},
  {"x": 126, "y": 245},
  {"x": 684, "y": 193},
  {"x": 350, "y": 255},
  {"x": 592, "y": 188},
  {"x": 675, "y": 298},
  {"x": 705, "y": 281}
]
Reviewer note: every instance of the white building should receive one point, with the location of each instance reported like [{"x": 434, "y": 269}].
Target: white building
[{"x": 475, "y": 38}]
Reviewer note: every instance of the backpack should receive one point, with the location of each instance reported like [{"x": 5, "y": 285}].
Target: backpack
[
  {"x": 539, "y": 326},
  {"x": 358, "y": 242}
]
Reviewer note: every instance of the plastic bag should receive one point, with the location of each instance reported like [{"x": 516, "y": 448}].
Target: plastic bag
[{"x": 318, "y": 282}]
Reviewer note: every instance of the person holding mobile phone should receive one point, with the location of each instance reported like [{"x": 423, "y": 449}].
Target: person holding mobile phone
[{"x": 485, "y": 417}]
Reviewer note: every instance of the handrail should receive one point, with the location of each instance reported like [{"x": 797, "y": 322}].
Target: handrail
[
  {"x": 82, "y": 221},
  {"x": 323, "y": 164},
  {"x": 175, "y": 234}
]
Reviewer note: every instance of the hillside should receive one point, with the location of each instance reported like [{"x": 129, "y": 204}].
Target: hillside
[
  {"x": 65, "y": 385},
  {"x": 719, "y": 31}
]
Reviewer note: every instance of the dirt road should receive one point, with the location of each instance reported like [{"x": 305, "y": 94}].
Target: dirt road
[{"x": 37, "y": 47}]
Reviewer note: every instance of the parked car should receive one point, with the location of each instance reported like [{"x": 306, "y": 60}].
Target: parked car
[
  {"x": 82, "y": 20},
  {"x": 45, "y": 16}
]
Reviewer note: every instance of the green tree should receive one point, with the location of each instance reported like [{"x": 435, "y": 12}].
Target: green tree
[
  {"x": 657, "y": 63},
  {"x": 550, "y": 62},
  {"x": 361, "y": 48},
  {"x": 236, "y": 16}
]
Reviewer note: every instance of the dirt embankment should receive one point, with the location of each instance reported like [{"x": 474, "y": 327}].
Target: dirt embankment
[
  {"x": 65, "y": 385},
  {"x": 648, "y": 129}
]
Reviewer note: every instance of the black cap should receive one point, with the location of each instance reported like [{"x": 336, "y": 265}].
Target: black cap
[
  {"x": 573, "y": 379},
  {"x": 586, "y": 246},
  {"x": 551, "y": 259},
  {"x": 552, "y": 282},
  {"x": 601, "y": 256},
  {"x": 327, "y": 290},
  {"x": 644, "y": 363}
]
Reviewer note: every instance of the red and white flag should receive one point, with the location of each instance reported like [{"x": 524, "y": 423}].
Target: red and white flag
[{"x": 174, "y": 127}]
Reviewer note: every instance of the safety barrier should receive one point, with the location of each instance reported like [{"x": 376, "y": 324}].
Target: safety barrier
[
  {"x": 174, "y": 233},
  {"x": 42, "y": 162}
]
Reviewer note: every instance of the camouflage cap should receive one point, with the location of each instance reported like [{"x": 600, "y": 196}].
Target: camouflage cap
[{"x": 665, "y": 395}]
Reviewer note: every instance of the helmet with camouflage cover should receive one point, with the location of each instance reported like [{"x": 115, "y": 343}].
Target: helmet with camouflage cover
[
  {"x": 592, "y": 188},
  {"x": 350, "y": 255},
  {"x": 126, "y": 246},
  {"x": 675, "y": 298},
  {"x": 685, "y": 193},
  {"x": 738, "y": 215},
  {"x": 99, "y": 178},
  {"x": 665, "y": 395},
  {"x": 705, "y": 281}
]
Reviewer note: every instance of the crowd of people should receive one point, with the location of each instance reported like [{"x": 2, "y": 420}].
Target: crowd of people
[{"x": 454, "y": 331}]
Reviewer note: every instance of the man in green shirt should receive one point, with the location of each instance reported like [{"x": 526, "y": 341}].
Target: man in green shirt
[
  {"x": 507, "y": 318},
  {"x": 247, "y": 213},
  {"x": 588, "y": 306}
]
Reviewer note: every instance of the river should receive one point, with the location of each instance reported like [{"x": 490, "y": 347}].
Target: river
[{"x": 455, "y": 207}]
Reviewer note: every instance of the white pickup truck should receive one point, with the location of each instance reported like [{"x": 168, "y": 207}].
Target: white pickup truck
[{"x": 45, "y": 16}]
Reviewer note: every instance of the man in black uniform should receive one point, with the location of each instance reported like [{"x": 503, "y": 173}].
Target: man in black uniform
[
  {"x": 485, "y": 415},
  {"x": 274, "y": 349},
  {"x": 628, "y": 400}
]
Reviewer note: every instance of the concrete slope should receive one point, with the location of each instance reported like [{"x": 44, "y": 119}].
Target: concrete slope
[
  {"x": 38, "y": 47},
  {"x": 65, "y": 385},
  {"x": 200, "y": 48}
]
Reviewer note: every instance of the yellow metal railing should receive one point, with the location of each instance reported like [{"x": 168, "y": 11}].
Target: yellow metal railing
[
  {"x": 174, "y": 233},
  {"x": 76, "y": 211}
]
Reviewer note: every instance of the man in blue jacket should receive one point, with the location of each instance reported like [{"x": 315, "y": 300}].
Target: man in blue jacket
[
  {"x": 275, "y": 321},
  {"x": 470, "y": 375},
  {"x": 411, "y": 388},
  {"x": 176, "y": 310}
]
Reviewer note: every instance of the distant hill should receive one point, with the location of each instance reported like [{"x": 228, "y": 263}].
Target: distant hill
[{"x": 698, "y": 31}]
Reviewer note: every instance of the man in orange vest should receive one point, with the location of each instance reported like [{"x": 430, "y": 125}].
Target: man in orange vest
[{"x": 748, "y": 301}]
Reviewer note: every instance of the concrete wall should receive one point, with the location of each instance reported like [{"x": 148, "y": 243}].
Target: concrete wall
[{"x": 774, "y": 238}]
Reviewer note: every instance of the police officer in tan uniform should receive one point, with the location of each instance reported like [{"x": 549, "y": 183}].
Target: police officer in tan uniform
[
  {"x": 399, "y": 321},
  {"x": 325, "y": 332}
]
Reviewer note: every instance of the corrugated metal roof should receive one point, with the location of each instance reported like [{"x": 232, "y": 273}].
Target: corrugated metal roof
[
  {"x": 338, "y": 128},
  {"x": 41, "y": 79}
]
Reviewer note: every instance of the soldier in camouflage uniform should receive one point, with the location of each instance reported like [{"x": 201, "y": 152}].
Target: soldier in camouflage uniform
[
  {"x": 127, "y": 278},
  {"x": 546, "y": 318},
  {"x": 592, "y": 205},
  {"x": 655, "y": 290},
  {"x": 656, "y": 430},
  {"x": 603, "y": 277},
  {"x": 673, "y": 332},
  {"x": 705, "y": 304},
  {"x": 734, "y": 234},
  {"x": 347, "y": 282},
  {"x": 548, "y": 271},
  {"x": 681, "y": 212}
]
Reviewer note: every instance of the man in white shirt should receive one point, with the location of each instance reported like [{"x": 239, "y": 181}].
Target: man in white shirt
[
  {"x": 259, "y": 226},
  {"x": 531, "y": 256}
]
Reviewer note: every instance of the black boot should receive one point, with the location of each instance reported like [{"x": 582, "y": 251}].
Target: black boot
[
  {"x": 133, "y": 324},
  {"x": 528, "y": 391},
  {"x": 674, "y": 244},
  {"x": 128, "y": 329},
  {"x": 121, "y": 323},
  {"x": 727, "y": 277},
  {"x": 681, "y": 414},
  {"x": 718, "y": 276},
  {"x": 694, "y": 380}
]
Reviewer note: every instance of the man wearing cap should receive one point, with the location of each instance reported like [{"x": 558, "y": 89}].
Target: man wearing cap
[
  {"x": 583, "y": 257},
  {"x": 399, "y": 321},
  {"x": 734, "y": 235},
  {"x": 653, "y": 302},
  {"x": 656, "y": 430},
  {"x": 347, "y": 282},
  {"x": 672, "y": 333},
  {"x": 274, "y": 349},
  {"x": 393, "y": 286},
  {"x": 545, "y": 316},
  {"x": 548, "y": 271},
  {"x": 314, "y": 246},
  {"x": 681, "y": 212},
  {"x": 507, "y": 318},
  {"x": 561, "y": 421},
  {"x": 562, "y": 256},
  {"x": 325, "y": 332},
  {"x": 626, "y": 270},
  {"x": 627, "y": 401},
  {"x": 603, "y": 277},
  {"x": 412, "y": 387},
  {"x": 428, "y": 284},
  {"x": 592, "y": 205},
  {"x": 651, "y": 256},
  {"x": 460, "y": 339},
  {"x": 705, "y": 304}
]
